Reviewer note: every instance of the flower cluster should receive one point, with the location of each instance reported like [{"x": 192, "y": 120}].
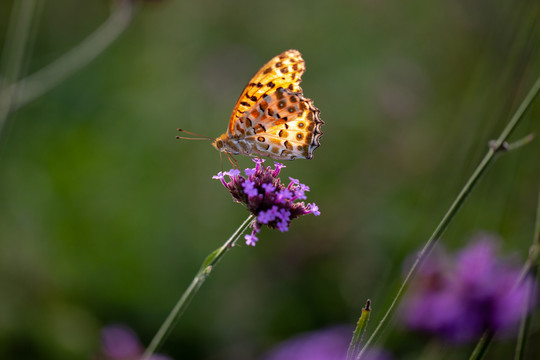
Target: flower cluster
[
  {"x": 261, "y": 191},
  {"x": 458, "y": 299}
]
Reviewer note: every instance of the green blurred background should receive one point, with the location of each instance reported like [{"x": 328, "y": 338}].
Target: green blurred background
[{"x": 105, "y": 217}]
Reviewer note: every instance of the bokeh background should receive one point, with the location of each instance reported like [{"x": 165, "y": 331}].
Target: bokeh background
[{"x": 105, "y": 217}]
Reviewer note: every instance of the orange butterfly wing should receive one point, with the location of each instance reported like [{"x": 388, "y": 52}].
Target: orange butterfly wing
[
  {"x": 272, "y": 117},
  {"x": 283, "y": 125},
  {"x": 284, "y": 70}
]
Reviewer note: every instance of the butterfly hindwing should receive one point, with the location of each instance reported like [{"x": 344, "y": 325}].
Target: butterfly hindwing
[{"x": 283, "y": 125}]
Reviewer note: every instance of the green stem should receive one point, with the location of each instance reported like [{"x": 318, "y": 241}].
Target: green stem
[
  {"x": 495, "y": 147},
  {"x": 482, "y": 346},
  {"x": 16, "y": 47},
  {"x": 534, "y": 251},
  {"x": 207, "y": 266},
  {"x": 530, "y": 269},
  {"x": 526, "y": 319},
  {"x": 37, "y": 84}
]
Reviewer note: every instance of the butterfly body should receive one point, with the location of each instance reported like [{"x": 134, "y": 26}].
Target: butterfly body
[{"x": 272, "y": 117}]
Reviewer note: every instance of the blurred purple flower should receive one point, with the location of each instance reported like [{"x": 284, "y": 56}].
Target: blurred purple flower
[
  {"x": 326, "y": 344},
  {"x": 262, "y": 192},
  {"x": 458, "y": 299},
  {"x": 119, "y": 342}
]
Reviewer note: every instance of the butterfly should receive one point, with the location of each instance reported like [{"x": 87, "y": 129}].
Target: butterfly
[{"x": 272, "y": 117}]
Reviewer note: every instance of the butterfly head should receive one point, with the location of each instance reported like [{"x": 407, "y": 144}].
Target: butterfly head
[
  {"x": 230, "y": 145},
  {"x": 219, "y": 143}
]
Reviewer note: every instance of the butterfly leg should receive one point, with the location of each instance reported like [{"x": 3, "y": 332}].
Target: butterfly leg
[
  {"x": 235, "y": 162},
  {"x": 221, "y": 160},
  {"x": 232, "y": 160}
]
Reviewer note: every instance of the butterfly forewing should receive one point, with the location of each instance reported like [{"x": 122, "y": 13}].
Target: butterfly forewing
[{"x": 282, "y": 71}]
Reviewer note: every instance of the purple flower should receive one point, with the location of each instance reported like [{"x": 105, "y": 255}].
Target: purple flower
[
  {"x": 300, "y": 192},
  {"x": 220, "y": 176},
  {"x": 314, "y": 209},
  {"x": 258, "y": 162},
  {"x": 284, "y": 195},
  {"x": 262, "y": 192},
  {"x": 232, "y": 172},
  {"x": 251, "y": 239},
  {"x": 249, "y": 188},
  {"x": 250, "y": 172},
  {"x": 278, "y": 166},
  {"x": 264, "y": 217},
  {"x": 326, "y": 344},
  {"x": 459, "y": 298},
  {"x": 282, "y": 226},
  {"x": 119, "y": 342},
  {"x": 268, "y": 188},
  {"x": 293, "y": 182},
  {"x": 284, "y": 214}
]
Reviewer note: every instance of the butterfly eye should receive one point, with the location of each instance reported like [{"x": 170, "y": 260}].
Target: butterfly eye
[{"x": 219, "y": 144}]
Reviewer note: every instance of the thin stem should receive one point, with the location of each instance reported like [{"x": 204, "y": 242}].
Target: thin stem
[
  {"x": 534, "y": 251},
  {"x": 525, "y": 325},
  {"x": 482, "y": 346},
  {"x": 18, "y": 37},
  {"x": 192, "y": 289},
  {"x": 496, "y": 147},
  {"x": 521, "y": 142},
  {"x": 43, "y": 80},
  {"x": 530, "y": 268},
  {"x": 536, "y": 239}
]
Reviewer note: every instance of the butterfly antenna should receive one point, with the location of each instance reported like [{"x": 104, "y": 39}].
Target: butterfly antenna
[{"x": 199, "y": 137}]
